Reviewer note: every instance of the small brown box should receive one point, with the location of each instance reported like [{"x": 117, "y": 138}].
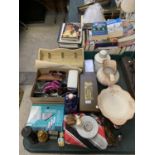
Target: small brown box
[
  {"x": 88, "y": 92},
  {"x": 48, "y": 99}
]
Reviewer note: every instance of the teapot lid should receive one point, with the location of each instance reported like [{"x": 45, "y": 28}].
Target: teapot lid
[{"x": 102, "y": 55}]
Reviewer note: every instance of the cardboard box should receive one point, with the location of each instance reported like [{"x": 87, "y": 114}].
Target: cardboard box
[
  {"x": 60, "y": 58},
  {"x": 48, "y": 99}
]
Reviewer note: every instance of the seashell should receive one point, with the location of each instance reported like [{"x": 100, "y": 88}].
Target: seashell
[{"x": 116, "y": 104}]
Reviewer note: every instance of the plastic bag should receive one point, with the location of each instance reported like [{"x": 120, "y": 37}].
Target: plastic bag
[
  {"x": 88, "y": 1},
  {"x": 94, "y": 13}
]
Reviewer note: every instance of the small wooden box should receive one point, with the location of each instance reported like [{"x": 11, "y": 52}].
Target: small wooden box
[{"x": 48, "y": 99}]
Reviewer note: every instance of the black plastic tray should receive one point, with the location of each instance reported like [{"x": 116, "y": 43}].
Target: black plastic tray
[{"x": 126, "y": 146}]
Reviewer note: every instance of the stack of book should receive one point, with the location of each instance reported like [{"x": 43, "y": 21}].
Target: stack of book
[
  {"x": 114, "y": 35},
  {"x": 127, "y": 41},
  {"x": 70, "y": 35}
]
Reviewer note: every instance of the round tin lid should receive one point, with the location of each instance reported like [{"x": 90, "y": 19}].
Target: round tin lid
[
  {"x": 26, "y": 131},
  {"x": 89, "y": 127}
]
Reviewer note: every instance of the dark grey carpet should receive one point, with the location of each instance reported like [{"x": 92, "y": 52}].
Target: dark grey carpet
[{"x": 27, "y": 78}]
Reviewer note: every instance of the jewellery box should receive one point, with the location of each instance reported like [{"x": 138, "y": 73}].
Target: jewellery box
[{"x": 88, "y": 92}]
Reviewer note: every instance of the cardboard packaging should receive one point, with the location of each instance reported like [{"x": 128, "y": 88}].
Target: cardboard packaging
[
  {"x": 60, "y": 58},
  {"x": 47, "y": 117},
  {"x": 88, "y": 92}
]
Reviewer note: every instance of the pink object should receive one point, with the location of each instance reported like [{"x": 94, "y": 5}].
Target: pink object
[
  {"x": 54, "y": 85},
  {"x": 70, "y": 96}
]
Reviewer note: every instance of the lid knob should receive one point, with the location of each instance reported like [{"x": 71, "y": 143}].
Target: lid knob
[
  {"x": 88, "y": 126},
  {"x": 103, "y": 54}
]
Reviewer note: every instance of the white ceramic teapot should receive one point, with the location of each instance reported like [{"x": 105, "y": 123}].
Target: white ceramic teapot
[{"x": 99, "y": 59}]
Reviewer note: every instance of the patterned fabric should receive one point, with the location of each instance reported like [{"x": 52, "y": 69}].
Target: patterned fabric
[{"x": 71, "y": 136}]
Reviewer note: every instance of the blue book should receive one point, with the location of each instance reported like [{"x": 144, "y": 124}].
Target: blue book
[
  {"x": 99, "y": 28},
  {"x": 46, "y": 117},
  {"x": 115, "y": 28}
]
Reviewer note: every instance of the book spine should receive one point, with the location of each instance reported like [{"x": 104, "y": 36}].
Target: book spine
[
  {"x": 122, "y": 50},
  {"x": 105, "y": 44},
  {"x": 87, "y": 40},
  {"x": 128, "y": 38},
  {"x": 91, "y": 46},
  {"x": 83, "y": 39},
  {"x": 127, "y": 43},
  {"x": 59, "y": 33}
]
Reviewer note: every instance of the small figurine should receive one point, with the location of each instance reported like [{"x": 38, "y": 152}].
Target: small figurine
[
  {"x": 71, "y": 103},
  {"x": 61, "y": 142},
  {"x": 61, "y": 134},
  {"x": 70, "y": 119}
]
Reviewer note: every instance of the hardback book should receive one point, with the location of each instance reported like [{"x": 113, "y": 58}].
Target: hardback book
[
  {"x": 99, "y": 31},
  {"x": 83, "y": 39},
  {"x": 126, "y": 43},
  {"x": 122, "y": 50},
  {"x": 71, "y": 31},
  {"x": 115, "y": 28},
  {"x": 105, "y": 43},
  {"x": 66, "y": 39},
  {"x": 128, "y": 28},
  {"x": 127, "y": 38},
  {"x": 67, "y": 45}
]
